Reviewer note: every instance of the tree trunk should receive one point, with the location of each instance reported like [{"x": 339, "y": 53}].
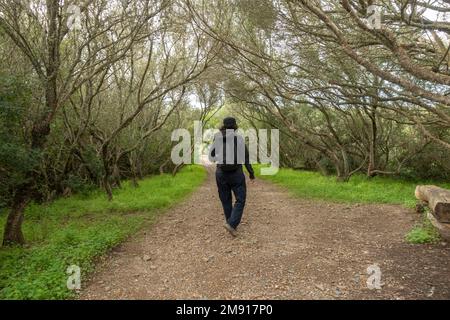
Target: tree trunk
[
  {"x": 116, "y": 176},
  {"x": 372, "y": 144},
  {"x": 134, "y": 181},
  {"x": 438, "y": 200},
  {"x": 13, "y": 227},
  {"x": 341, "y": 170},
  {"x": 107, "y": 172},
  {"x": 323, "y": 169},
  {"x": 162, "y": 167},
  {"x": 134, "y": 177},
  {"x": 443, "y": 228},
  {"x": 107, "y": 186},
  {"x": 346, "y": 166},
  {"x": 107, "y": 181},
  {"x": 177, "y": 168},
  {"x": 338, "y": 171}
]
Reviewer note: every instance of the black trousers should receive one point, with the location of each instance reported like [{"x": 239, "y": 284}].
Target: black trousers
[{"x": 228, "y": 183}]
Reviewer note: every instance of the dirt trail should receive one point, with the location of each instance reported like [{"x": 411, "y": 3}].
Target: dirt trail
[{"x": 287, "y": 248}]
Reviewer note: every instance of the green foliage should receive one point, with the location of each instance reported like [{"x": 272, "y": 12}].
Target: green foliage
[
  {"x": 14, "y": 97},
  {"x": 78, "y": 229},
  {"x": 433, "y": 163},
  {"x": 422, "y": 233},
  {"x": 78, "y": 185},
  {"x": 92, "y": 160},
  {"x": 15, "y": 156},
  {"x": 260, "y": 14},
  {"x": 359, "y": 189}
]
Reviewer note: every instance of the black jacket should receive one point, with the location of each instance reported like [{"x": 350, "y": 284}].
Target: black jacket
[{"x": 228, "y": 142}]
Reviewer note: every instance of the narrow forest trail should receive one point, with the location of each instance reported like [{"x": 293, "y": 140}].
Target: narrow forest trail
[{"x": 287, "y": 248}]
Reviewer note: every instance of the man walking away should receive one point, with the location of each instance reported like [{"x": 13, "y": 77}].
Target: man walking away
[{"x": 230, "y": 152}]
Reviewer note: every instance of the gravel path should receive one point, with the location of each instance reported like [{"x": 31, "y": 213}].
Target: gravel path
[{"x": 287, "y": 248}]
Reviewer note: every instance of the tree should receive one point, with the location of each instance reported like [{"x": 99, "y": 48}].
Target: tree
[{"x": 64, "y": 59}]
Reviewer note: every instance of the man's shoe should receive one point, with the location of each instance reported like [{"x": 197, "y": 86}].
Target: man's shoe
[{"x": 231, "y": 230}]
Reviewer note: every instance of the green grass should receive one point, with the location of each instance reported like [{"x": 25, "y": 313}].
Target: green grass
[
  {"x": 359, "y": 189},
  {"x": 76, "y": 230},
  {"x": 423, "y": 232}
]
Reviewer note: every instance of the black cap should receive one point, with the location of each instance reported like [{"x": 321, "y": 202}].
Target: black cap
[{"x": 229, "y": 123}]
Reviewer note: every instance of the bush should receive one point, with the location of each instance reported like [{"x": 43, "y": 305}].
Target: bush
[{"x": 424, "y": 232}]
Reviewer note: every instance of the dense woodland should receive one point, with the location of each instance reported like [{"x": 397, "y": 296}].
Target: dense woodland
[{"x": 88, "y": 107}]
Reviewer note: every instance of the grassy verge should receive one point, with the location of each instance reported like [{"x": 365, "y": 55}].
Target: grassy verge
[
  {"x": 75, "y": 230},
  {"x": 359, "y": 189},
  {"x": 423, "y": 232}
]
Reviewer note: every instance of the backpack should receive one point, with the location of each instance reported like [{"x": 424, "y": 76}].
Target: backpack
[{"x": 229, "y": 167}]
